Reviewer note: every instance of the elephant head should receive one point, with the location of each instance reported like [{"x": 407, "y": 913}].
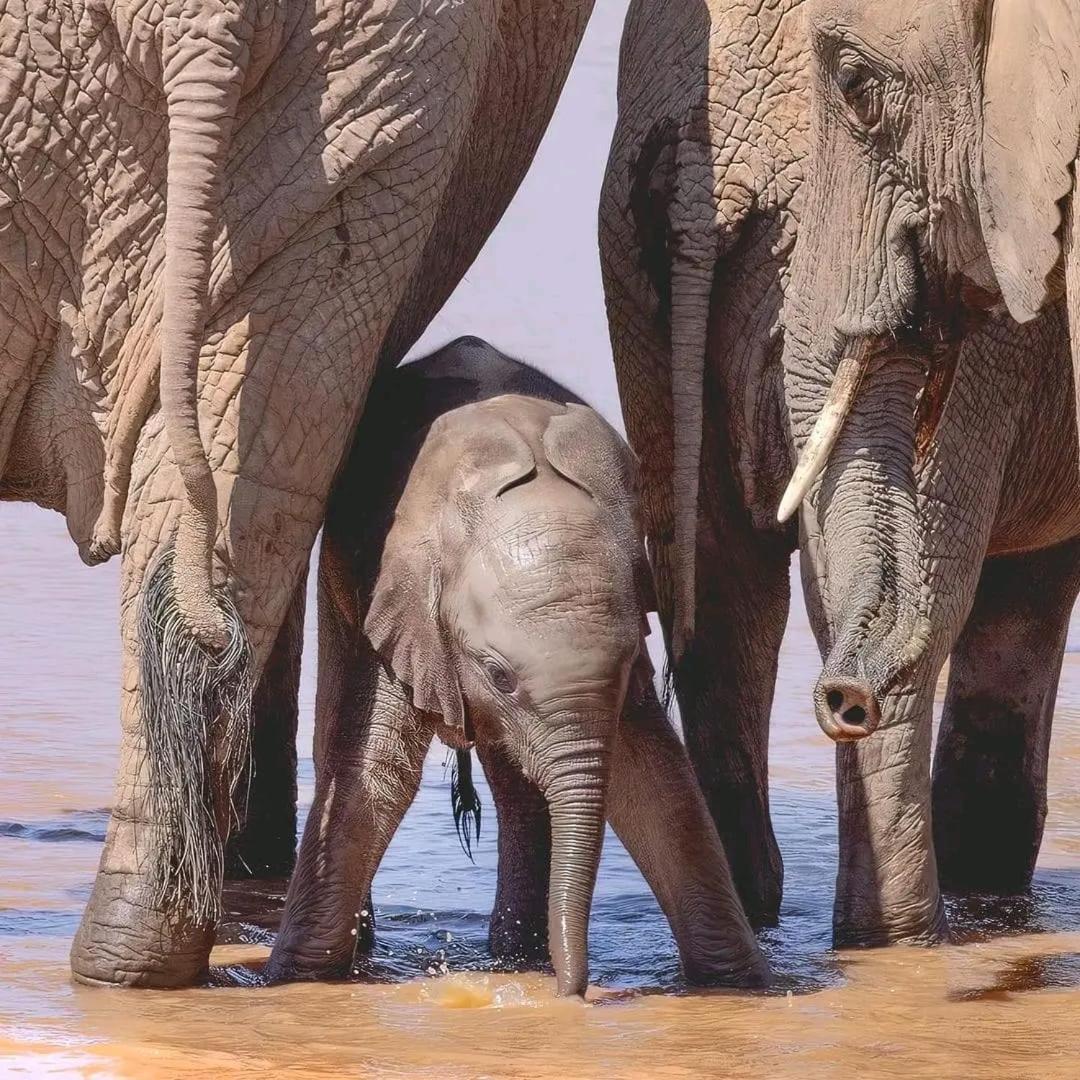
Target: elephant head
[
  {"x": 942, "y": 135},
  {"x": 510, "y": 599}
]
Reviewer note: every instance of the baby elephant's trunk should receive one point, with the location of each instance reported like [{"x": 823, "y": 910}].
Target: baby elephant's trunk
[{"x": 575, "y": 786}]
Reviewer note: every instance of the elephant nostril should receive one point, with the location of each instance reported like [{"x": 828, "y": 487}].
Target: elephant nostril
[
  {"x": 855, "y": 716},
  {"x": 846, "y": 708}
]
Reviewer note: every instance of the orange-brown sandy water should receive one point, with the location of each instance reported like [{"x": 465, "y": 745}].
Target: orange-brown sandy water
[{"x": 1005, "y": 1003}]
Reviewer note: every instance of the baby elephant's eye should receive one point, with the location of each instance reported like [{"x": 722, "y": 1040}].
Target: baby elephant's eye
[
  {"x": 861, "y": 89},
  {"x": 499, "y": 676}
]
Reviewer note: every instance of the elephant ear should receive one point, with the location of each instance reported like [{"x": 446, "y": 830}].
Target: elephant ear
[
  {"x": 1030, "y": 136},
  {"x": 585, "y": 449},
  {"x": 462, "y": 462}
]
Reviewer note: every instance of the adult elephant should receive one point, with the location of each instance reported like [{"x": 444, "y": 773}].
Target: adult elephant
[
  {"x": 697, "y": 220},
  {"x": 937, "y": 436},
  {"x": 237, "y": 207}
]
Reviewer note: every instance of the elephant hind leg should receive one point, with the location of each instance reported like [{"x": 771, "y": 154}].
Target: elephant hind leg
[
  {"x": 518, "y": 933},
  {"x": 265, "y": 844},
  {"x": 990, "y": 767},
  {"x": 725, "y": 683}
]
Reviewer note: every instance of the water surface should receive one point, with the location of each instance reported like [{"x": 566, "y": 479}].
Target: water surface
[{"x": 1005, "y": 1003}]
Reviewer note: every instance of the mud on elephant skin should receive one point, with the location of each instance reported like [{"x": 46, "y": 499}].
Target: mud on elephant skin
[
  {"x": 697, "y": 219},
  {"x": 192, "y": 307},
  {"x": 491, "y": 587},
  {"x": 937, "y": 444}
]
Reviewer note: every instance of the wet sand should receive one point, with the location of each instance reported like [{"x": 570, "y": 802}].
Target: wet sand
[{"x": 1006, "y": 1002}]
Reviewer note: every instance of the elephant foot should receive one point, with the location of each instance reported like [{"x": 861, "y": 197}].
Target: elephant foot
[
  {"x": 122, "y": 941},
  {"x": 746, "y": 969},
  {"x": 301, "y": 954},
  {"x": 519, "y": 943},
  {"x": 930, "y": 927}
]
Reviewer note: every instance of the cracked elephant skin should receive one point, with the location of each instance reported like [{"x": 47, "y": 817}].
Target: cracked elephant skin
[
  {"x": 490, "y": 586},
  {"x": 241, "y": 208},
  {"x": 698, "y": 216},
  {"x": 938, "y": 448}
]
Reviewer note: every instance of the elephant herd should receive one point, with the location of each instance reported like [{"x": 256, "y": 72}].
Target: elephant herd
[{"x": 842, "y": 275}]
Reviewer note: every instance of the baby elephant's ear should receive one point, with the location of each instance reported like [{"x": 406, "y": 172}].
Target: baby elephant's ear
[
  {"x": 585, "y": 449},
  {"x": 404, "y": 628},
  {"x": 403, "y": 622}
]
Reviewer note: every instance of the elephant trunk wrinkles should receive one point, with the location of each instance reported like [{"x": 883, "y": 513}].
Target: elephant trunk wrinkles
[
  {"x": 872, "y": 542},
  {"x": 205, "y": 59},
  {"x": 575, "y": 787}
]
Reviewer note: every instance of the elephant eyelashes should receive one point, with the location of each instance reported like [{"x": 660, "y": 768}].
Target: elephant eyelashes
[
  {"x": 500, "y": 677},
  {"x": 858, "y": 83}
]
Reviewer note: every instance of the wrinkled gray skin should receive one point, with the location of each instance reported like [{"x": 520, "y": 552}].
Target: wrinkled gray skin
[
  {"x": 241, "y": 207},
  {"x": 697, "y": 220},
  {"x": 911, "y": 527},
  {"x": 489, "y": 585}
]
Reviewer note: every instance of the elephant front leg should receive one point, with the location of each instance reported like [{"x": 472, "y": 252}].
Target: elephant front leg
[
  {"x": 265, "y": 844},
  {"x": 371, "y": 745},
  {"x": 518, "y": 933},
  {"x": 989, "y": 785},
  {"x": 658, "y": 812},
  {"x": 725, "y": 684}
]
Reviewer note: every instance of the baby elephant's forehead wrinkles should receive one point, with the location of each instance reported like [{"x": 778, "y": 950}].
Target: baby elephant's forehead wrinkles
[{"x": 544, "y": 564}]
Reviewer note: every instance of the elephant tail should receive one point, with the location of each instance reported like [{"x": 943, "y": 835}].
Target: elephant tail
[
  {"x": 196, "y": 711},
  {"x": 204, "y": 61},
  {"x": 465, "y": 801}
]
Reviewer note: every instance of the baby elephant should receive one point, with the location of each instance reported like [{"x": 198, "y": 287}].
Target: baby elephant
[{"x": 483, "y": 578}]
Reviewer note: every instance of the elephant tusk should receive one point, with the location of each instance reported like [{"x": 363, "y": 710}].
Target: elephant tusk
[{"x": 815, "y": 454}]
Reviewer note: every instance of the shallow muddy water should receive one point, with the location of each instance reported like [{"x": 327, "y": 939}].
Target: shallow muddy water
[{"x": 1006, "y": 1003}]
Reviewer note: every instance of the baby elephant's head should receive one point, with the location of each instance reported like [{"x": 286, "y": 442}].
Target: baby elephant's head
[{"x": 512, "y": 598}]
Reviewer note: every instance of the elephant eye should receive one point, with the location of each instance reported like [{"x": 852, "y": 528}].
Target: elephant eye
[
  {"x": 499, "y": 676},
  {"x": 858, "y": 83}
]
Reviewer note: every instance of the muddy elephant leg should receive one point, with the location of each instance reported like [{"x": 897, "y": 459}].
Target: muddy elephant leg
[
  {"x": 658, "y": 812},
  {"x": 725, "y": 688},
  {"x": 370, "y": 745},
  {"x": 518, "y": 933},
  {"x": 365, "y": 781},
  {"x": 989, "y": 785},
  {"x": 265, "y": 844}
]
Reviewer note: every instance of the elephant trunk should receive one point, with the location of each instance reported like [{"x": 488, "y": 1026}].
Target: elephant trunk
[
  {"x": 576, "y": 789},
  {"x": 869, "y": 521},
  {"x": 205, "y": 55}
]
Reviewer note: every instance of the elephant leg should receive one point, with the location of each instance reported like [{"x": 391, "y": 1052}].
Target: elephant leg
[
  {"x": 265, "y": 844},
  {"x": 658, "y": 812},
  {"x": 989, "y": 784},
  {"x": 370, "y": 745},
  {"x": 518, "y": 933},
  {"x": 725, "y": 687},
  {"x": 364, "y": 784}
]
